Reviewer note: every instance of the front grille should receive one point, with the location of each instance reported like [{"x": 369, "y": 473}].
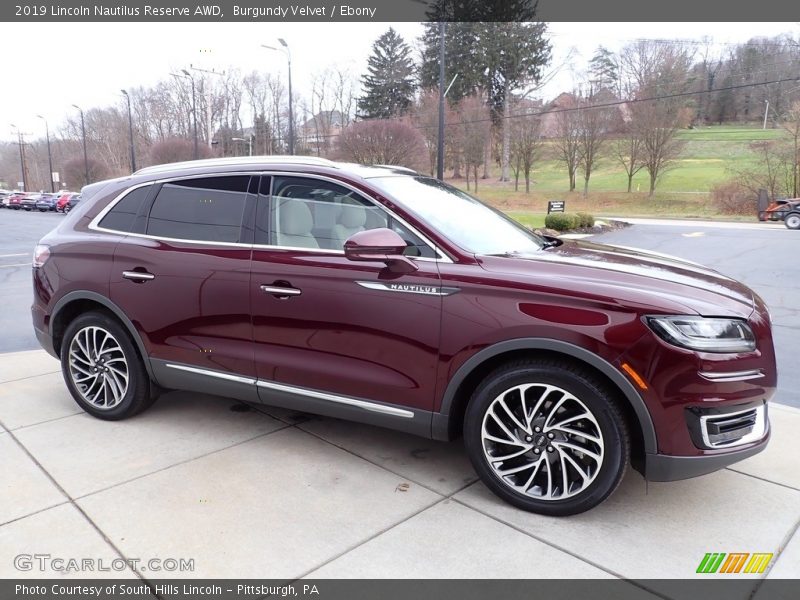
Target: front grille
[{"x": 726, "y": 428}]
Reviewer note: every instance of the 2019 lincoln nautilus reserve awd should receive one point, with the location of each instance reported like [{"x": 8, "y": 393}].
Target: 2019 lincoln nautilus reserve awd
[{"x": 379, "y": 295}]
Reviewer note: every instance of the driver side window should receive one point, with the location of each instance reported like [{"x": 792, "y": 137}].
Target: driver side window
[{"x": 313, "y": 213}]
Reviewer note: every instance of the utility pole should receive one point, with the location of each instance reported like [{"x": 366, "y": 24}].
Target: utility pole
[
  {"x": 209, "y": 125},
  {"x": 21, "y": 143},
  {"x": 130, "y": 131},
  {"x": 440, "y": 149},
  {"x": 49, "y": 153},
  {"x": 85, "y": 155},
  {"x": 766, "y": 110}
]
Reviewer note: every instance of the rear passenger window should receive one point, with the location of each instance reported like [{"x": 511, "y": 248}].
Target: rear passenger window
[
  {"x": 208, "y": 209},
  {"x": 122, "y": 216}
]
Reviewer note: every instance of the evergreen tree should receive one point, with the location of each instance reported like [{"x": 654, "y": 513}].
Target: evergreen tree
[
  {"x": 389, "y": 82},
  {"x": 603, "y": 71}
]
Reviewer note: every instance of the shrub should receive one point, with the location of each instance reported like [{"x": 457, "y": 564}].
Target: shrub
[
  {"x": 732, "y": 198},
  {"x": 585, "y": 220},
  {"x": 561, "y": 221}
]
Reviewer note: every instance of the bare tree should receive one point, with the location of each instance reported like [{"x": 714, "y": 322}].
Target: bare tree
[
  {"x": 383, "y": 142},
  {"x": 773, "y": 171},
  {"x": 791, "y": 123},
  {"x": 475, "y": 124},
  {"x": 174, "y": 150},
  {"x": 628, "y": 153},
  {"x": 75, "y": 172},
  {"x": 568, "y": 140},
  {"x": 593, "y": 125},
  {"x": 526, "y": 146},
  {"x": 657, "y": 123}
]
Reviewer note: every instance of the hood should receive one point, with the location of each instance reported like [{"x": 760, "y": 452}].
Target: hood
[{"x": 658, "y": 281}]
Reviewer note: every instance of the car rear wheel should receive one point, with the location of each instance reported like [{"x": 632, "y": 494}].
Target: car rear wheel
[
  {"x": 792, "y": 221},
  {"x": 102, "y": 369},
  {"x": 547, "y": 437}
]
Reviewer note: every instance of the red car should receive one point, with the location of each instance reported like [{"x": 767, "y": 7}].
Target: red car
[
  {"x": 383, "y": 296},
  {"x": 15, "y": 200},
  {"x": 63, "y": 200}
]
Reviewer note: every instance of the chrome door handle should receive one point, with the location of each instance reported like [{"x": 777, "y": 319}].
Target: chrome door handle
[
  {"x": 280, "y": 292},
  {"x": 138, "y": 276}
]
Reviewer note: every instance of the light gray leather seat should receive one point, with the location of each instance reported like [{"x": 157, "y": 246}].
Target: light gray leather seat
[
  {"x": 296, "y": 224},
  {"x": 352, "y": 218}
]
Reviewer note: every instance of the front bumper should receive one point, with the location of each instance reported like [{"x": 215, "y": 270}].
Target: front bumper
[{"x": 661, "y": 467}]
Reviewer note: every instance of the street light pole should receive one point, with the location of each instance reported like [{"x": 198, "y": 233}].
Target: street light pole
[
  {"x": 130, "y": 131},
  {"x": 85, "y": 155},
  {"x": 49, "y": 153},
  {"x": 291, "y": 109}
]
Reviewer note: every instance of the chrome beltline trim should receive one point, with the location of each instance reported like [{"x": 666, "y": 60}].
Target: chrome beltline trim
[
  {"x": 363, "y": 404},
  {"x": 371, "y": 406}
]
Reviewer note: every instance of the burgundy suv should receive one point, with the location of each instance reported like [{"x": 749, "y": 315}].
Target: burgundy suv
[{"x": 379, "y": 295}]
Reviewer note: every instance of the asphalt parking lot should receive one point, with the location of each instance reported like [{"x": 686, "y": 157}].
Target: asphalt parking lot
[
  {"x": 19, "y": 232},
  {"x": 244, "y": 491}
]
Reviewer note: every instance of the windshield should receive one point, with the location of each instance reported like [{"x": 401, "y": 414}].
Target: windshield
[{"x": 458, "y": 216}]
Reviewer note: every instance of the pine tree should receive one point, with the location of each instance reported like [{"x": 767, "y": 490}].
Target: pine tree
[
  {"x": 389, "y": 82},
  {"x": 603, "y": 71}
]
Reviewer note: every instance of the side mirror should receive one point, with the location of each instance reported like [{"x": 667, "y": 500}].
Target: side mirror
[{"x": 382, "y": 245}]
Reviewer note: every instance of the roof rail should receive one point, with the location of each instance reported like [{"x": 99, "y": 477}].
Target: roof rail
[{"x": 239, "y": 160}]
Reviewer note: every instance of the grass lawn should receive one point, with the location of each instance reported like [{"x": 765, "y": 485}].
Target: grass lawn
[{"x": 710, "y": 156}]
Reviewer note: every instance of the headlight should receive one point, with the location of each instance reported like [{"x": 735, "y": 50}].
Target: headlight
[{"x": 705, "y": 334}]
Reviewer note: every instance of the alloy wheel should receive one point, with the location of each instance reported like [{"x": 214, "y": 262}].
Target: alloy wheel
[
  {"x": 98, "y": 367},
  {"x": 793, "y": 222},
  {"x": 542, "y": 441}
]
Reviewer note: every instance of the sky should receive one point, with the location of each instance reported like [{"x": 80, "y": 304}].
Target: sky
[{"x": 88, "y": 63}]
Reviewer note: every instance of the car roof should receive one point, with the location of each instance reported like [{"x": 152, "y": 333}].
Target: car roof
[{"x": 257, "y": 163}]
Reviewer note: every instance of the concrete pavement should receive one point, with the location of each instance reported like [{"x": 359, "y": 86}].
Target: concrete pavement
[{"x": 254, "y": 492}]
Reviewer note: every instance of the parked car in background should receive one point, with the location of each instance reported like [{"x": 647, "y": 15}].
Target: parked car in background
[
  {"x": 791, "y": 213},
  {"x": 73, "y": 200},
  {"x": 383, "y": 296},
  {"x": 46, "y": 203},
  {"x": 28, "y": 201},
  {"x": 62, "y": 200},
  {"x": 15, "y": 200},
  {"x": 4, "y": 196}
]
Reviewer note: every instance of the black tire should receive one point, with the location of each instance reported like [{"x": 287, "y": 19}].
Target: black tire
[
  {"x": 792, "y": 221},
  {"x": 66, "y": 210},
  {"x": 137, "y": 396},
  {"x": 593, "y": 395}
]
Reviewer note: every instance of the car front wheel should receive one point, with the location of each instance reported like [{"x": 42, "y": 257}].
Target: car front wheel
[
  {"x": 102, "y": 369},
  {"x": 792, "y": 221},
  {"x": 547, "y": 437}
]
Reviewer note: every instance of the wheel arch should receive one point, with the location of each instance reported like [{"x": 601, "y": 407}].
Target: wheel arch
[
  {"x": 77, "y": 302},
  {"x": 448, "y": 420}
]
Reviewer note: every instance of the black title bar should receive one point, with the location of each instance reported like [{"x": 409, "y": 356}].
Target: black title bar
[{"x": 337, "y": 11}]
